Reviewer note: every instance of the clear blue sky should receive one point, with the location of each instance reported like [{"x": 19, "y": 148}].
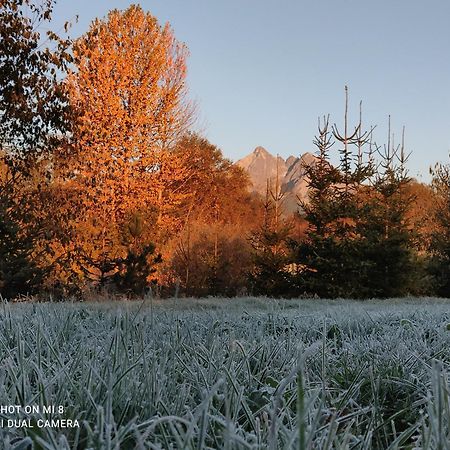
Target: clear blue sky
[{"x": 262, "y": 71}]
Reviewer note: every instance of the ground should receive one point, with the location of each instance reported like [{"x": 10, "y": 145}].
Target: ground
[{"x": 226, "y": 373}]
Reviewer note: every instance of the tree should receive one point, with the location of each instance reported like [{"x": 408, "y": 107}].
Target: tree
[
  {"x": 33, "y": 121},
  {"x": 139, "y": 264},
  {"x": 270, "y": 273},
  {"x": 440, "y": 241},
  {"x": 211, "y": 254},
  {"x": 388, "y": 239},
  {"x": 128, "y": 97},
  {"x": 359, "y": 242},
  {"x": 33, "y": 102},
  {"x": 19, "y": 273},
  {"x": 329, "y": 261}
]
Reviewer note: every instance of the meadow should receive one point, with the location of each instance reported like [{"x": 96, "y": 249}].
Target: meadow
[{"x": 250, "y": 373}]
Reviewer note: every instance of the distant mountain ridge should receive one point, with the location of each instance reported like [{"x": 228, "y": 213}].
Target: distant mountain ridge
[{"x": 262, "y": 166}]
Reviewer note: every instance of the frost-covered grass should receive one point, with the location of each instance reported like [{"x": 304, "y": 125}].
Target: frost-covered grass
[{"x": 219, "y": 373}]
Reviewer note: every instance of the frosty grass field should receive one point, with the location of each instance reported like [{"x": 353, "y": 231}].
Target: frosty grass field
[{"x": 233, "y": 374}]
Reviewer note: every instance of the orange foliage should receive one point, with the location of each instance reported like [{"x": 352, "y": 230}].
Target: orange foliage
[{"x": 129, "y": 105}]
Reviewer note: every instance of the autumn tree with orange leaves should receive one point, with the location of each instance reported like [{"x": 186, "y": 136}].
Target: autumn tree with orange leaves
[{"x": 128, "y": 95}]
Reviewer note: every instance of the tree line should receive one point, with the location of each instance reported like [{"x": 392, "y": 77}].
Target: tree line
[{"x": 105, "y": 188}]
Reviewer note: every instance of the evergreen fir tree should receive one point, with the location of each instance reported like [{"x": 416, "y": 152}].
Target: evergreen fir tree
[
  {"x": 359, "y": 243},
  {"x": 329, "y": 259},
  {"x": 316, "y": 274},
  {"x": 132, "y": 273},
  {"x": 387, "y": 243},
  {"x": 271, "y": 275}
]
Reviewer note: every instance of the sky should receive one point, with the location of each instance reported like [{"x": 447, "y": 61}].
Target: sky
[{"x": 263, "y": 71}]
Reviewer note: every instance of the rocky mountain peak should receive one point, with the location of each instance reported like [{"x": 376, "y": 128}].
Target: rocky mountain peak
[
  {"x": 262, "y": 165},
  {"x": 308, "y": 158},
  {"x": 291, "y": 160},
  {"x": 261, "y": 152}
]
